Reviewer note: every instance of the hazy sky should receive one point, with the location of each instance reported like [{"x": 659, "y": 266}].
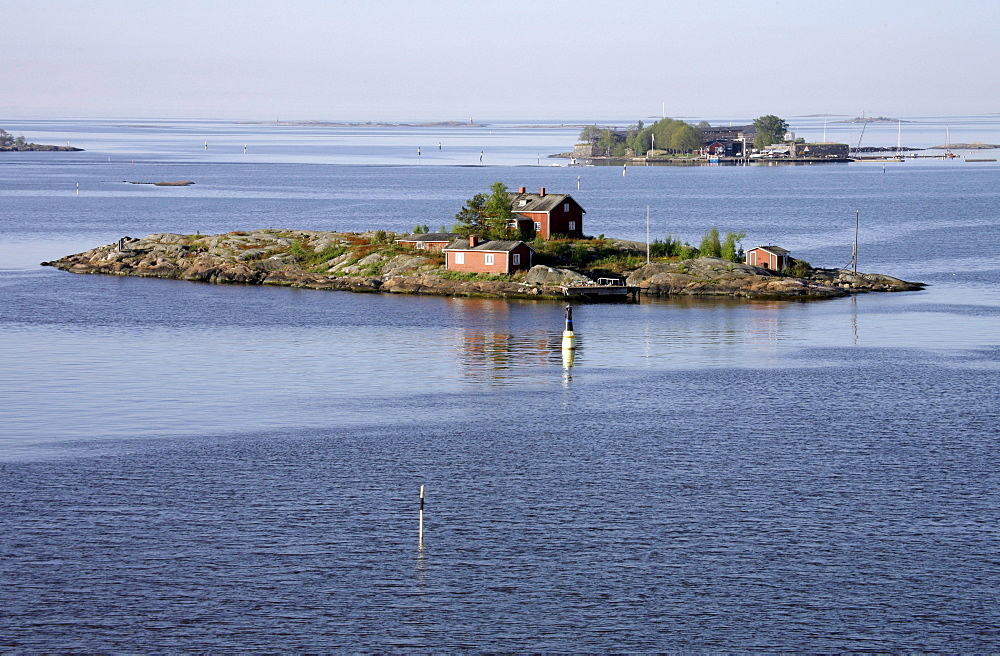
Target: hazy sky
[{"x": 518, "y": 59}]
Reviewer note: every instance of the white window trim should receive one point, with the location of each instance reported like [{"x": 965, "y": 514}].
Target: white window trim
[
  {"x": 572, "y": 225},
  {"x": 459, "y": 258},
  {"x": 515, "y": 259},
  {"x": 488, "y": 259}
]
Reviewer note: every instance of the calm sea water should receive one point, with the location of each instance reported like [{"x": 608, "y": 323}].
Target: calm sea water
[{"x": 195, "y": 467}]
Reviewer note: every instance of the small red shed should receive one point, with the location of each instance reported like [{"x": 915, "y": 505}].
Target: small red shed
[{"x": 769, "y": 257}]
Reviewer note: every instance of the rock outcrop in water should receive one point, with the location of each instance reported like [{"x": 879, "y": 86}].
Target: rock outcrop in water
[
  {"x": 710, "y": 276},
  {"x": 370, "y": 262}
]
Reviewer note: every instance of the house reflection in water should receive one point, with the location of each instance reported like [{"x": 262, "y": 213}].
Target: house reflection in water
[{"x": 498, "y": 345}]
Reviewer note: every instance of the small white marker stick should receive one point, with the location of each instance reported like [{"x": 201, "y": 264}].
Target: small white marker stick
[{"x": 420, "y": 532}]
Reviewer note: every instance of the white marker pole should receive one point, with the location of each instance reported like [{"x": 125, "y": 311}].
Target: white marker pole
[
  {"x": 77, "y": 188},
  {"x": 420, "y": 530}
]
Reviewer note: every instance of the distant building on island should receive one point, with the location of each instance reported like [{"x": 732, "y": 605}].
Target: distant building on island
[
  {"x": 728, "y": 141},
  {"x": 769, "y": 257}
]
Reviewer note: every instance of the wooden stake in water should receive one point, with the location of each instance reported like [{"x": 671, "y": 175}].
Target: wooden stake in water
[{"x": 420, "y": 530}]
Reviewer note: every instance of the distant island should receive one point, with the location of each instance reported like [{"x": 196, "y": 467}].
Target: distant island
[
  {"x": 967, "y": 146},
  {"x": 10, "y": 143},
  {"x": 367, "y": 124},
  {"x": 873, "y": 119}
]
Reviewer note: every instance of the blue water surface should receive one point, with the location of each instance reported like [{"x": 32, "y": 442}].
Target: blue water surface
[{"x": 195, "y": 467}]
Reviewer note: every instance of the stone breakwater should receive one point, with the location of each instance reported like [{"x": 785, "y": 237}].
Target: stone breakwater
[{"x": 370, "y": 262}]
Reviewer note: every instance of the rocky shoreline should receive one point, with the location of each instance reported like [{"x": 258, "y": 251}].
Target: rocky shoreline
[
  {"x": 27, "y": 148},
  {"x": 371, "y": 262}
]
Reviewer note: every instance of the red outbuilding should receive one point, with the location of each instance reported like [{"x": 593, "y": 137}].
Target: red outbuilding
[{"x": 769, "y": 257}]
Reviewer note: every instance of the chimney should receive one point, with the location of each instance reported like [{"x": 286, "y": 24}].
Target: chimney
[
  {"x": 521, "y": 190},
  {"x": 473, "y": 241},
  {"x": 541, "y": 192}
]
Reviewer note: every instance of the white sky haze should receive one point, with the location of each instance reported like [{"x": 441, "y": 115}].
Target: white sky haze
[{"x": 575, "y": 60}]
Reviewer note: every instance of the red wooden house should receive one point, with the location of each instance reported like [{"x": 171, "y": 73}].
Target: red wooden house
[
  {"x": 430, "y": 241},
  {"x": 769, "y": 257},
  {"x": 547, "y": 214},
  {"x": 474, "y": 256}
]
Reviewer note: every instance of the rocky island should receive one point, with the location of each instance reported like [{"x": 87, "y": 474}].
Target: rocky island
[
  {"x": 375, "y": 262},
  {"x": 10, "y": 143}
]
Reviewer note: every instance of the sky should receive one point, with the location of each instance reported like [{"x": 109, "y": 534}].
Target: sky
[{"x": 571, "y": 60}]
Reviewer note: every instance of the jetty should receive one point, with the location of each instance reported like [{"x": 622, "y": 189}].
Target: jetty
[{"x": 603, "y": 289}]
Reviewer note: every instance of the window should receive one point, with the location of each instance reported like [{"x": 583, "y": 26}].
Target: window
[
  {"x": 538, "y": 226},
  {"x": 421, "y": 245},
  {"x": 515, "y": 259},
  {"x": 572, "y": 225},
  {"x": 459, "y": 258},
  {"x": 488, "y": 259},
  {"x": 565, "y": 207}
]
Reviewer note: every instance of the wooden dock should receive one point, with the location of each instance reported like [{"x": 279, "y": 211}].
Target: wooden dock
[{"x": 605, "y": 289}]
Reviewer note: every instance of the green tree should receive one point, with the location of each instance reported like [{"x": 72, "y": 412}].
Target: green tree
[
  {"x": 770, "y": 130},
  {"x": 607, "y": 142},
  {"x": 685, "y": 138},
  {"x": 710, "y": 246},
  {"x": 421, "y": 229},
  {"x": 732, "y": 248},
  {"x": 6, "y": 139},
  {"x": 498, "y": 212},
  {"x": 703, "y": 124},
  {"x": 470, "y": 219},
  {"x": 590, "y": 134}
]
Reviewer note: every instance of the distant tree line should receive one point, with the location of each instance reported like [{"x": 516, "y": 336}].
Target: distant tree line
[
  {"x": 668, "y": 135},
  {"x": 7, "y": 140}
]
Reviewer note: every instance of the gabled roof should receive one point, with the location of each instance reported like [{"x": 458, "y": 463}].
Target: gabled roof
[
  {"x": 774, "y": 250},
  {"x": 430, "y": 236},
  {"x": 495, "y": 246},
  {"x": 538, "y": 203}
]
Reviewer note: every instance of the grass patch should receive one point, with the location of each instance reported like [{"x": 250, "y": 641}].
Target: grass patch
[{"x": 465, "y": 275}]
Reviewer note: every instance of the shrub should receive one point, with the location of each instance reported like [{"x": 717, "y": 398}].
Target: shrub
[
  {"x": 687, "y": 252},
  {"x": 710, "y": 246},
  {"x": 799, "y": 269}
]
